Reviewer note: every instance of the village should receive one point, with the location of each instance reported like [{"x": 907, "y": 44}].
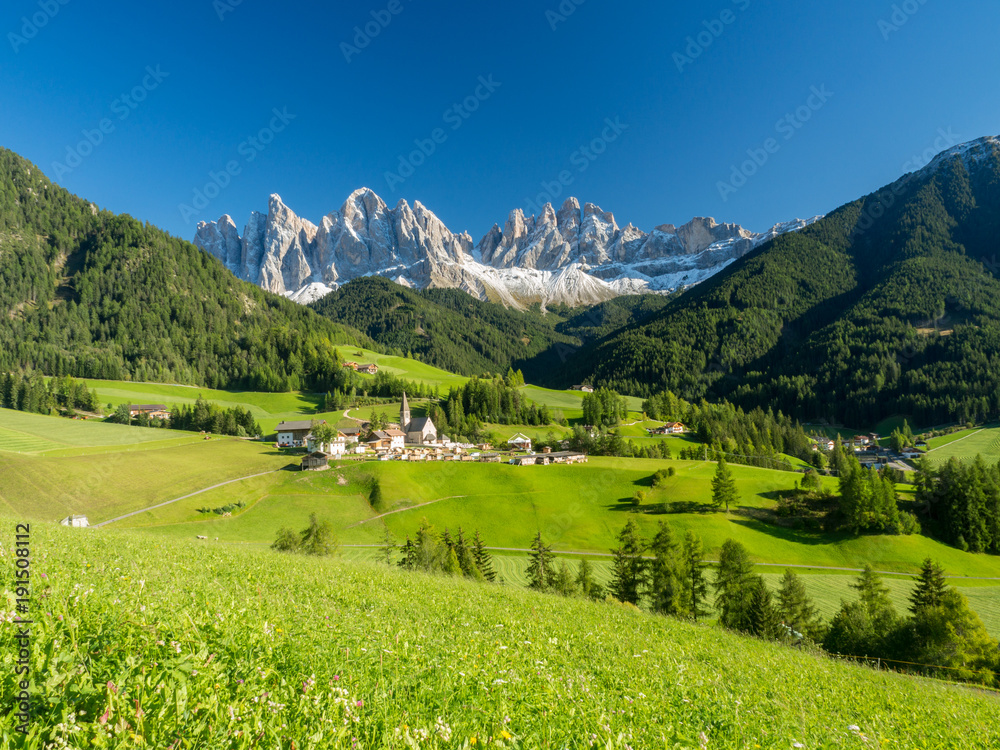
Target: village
[{"x": 411, "y": 439}]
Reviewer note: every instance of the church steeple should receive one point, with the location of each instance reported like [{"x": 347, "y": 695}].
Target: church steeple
[{"x": 404, "y": 414}]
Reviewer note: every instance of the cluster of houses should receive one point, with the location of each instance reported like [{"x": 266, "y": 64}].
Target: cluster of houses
[
  {"x": 670, "y": 428},
  {"x": 413, "y": 439},
  {"x": 369, "y": 369},
  {"x": 152, "y": 411},
  {"x": 870, "y": 454}
]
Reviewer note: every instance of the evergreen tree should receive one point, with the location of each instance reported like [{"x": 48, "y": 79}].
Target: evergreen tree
[
  {"x": 734, "y": 581},
  {"x": 930, "y": 588},
  {"x": 541, "y": 568},
  {"x": 724, "y": 490},
  {"x": 409, "y": 560},
  {"x": 585, "y": 582},
  {"x": 466, "y": 560},
  {"x": 695, "y": 591},
  {"x": 388, "y": 546},
  {"x": 317, "y": 538},
  {"x": 763, "y": 618},
  {"x": 563, "y": 582},
  {"x": 664, "y": 573},
  {"x": 629, "y": 568},
  {"x": 796, "y": 609},
  {"x": 286, "y": 541},
  {"x": 484, "y": 562},
  {"x": 874, "y": 596}
]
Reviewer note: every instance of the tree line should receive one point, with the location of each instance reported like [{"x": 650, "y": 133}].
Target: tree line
[{"x": 31, "y": 393}]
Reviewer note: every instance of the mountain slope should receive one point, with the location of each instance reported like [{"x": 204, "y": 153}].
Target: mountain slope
[
  {"x": 92, "y": 294},
  {"x": 576, "y": 256},
  {"x": 445, "y": 327},
  {"x": 889, "y": 305}
]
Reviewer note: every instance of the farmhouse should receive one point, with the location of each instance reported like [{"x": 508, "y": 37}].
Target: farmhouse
[
  {"x": 336, "y": 447},
  {"x": 79, "y": 522},
  {"x": 520, "y": 442},
  {"x": 371, "y": 369},
  {"x": 583, "y": 388},
  {"x": 351, "y": 365},
  {"x": 293, "y": 434},
  {"x": 315, "y": 462},
  {"x": 419, "y": 431},
  {"x": 153, "y": 411},
  {"x": 914, "y": 452}
]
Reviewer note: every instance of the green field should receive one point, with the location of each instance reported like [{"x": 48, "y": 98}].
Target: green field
[
  {"x": 966, "y": 445},
  {"x": 105, "y": 485},
  {"x": 21, "y": 432},
  {"x": 577, "y": 509},
  {"x": 139, "y": 644}
]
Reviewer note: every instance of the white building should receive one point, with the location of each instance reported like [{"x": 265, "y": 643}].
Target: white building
[
  {"x": 293, "y": 434},
  {"x": 520, "y": 442},
  {"x": 336, "y": 447},
  {"x": 79, "y": 522}
]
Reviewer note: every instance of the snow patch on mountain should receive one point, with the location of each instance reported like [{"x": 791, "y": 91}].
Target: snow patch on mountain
[{"x": 577, "y": 255}]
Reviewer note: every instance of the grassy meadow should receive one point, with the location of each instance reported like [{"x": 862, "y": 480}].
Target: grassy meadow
[{"x": 182, "y": 644}]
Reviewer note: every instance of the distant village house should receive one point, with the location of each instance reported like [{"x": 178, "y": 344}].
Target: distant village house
[
  {"x": 152, "y": 411},
  {"x": 294, "y": 434},
  {"x": 79, "y": 522},
  {"x": 520, "y": 442}
]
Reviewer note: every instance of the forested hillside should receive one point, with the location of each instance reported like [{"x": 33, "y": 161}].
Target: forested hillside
[
  {"x": 91, "y": 294},
  {"x": 890, "y": 305}
]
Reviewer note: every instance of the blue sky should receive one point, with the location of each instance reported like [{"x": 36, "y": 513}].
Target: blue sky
[{"x": 832, "y": 100}]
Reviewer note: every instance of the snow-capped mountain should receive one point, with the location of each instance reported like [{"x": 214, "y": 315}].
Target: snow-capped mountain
[{"x": 574, "y": 256}]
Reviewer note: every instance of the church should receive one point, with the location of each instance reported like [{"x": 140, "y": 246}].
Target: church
[{"x": 418, "y": 431}]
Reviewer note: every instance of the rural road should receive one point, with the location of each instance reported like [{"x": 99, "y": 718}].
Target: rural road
[
  {"x": 178, "y": 499},
  {"x": 403, "y": 510}
]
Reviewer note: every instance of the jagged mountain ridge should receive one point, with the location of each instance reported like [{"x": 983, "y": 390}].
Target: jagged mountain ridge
[{"x": 576, "y": 256}]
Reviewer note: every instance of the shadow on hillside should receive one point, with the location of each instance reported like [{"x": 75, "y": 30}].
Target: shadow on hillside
[
  {"x": 624, "y": 505},
  {"x": 796, "y": 536}
]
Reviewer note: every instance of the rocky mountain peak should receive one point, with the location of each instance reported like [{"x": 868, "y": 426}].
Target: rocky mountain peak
[{"x": 574, "y": 255}]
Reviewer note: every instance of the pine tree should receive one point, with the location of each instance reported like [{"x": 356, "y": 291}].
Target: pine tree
[
  {"x": 629, "y": 568},
  {"x": 286, "y": 541},
  {"x": 664, "y": 572},
  {"x": 695, "y": 586},
  {"x": 409, "y": 560},
  {"x": 541, "y": 569},
  {"x": 484, "y": 562},
  {"x": 734, "y": 581},
  {"x": 563, "y": 581},
  {"x": 874, "y": 597},
  {"x": 796, "y": 609},
  {"x": 317, "y": 538},
  {"x": 585, "y": 581},
  {"x": 723, "y": 486},
  {"x": 464, "y": 555},
  {"x": 763, "y": 619},
  {"x": 388, "y": 546},
  {"x": 931, "y": 587}
]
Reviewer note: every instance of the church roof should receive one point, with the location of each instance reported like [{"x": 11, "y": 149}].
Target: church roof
[{"x": 419, "y": 423}]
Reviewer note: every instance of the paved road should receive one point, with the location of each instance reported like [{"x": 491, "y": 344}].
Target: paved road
[{"x": 178, "y": 499}]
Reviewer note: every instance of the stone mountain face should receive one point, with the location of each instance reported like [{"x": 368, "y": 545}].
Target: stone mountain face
[{"x": 574, "y": 256}]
